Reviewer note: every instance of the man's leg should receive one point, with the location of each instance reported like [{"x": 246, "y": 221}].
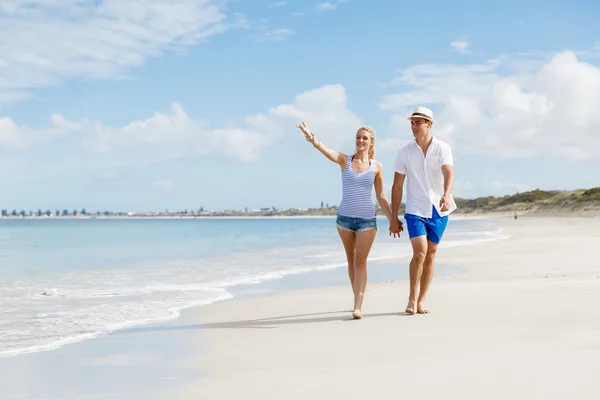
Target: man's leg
[
  {"x": 436, "y": 226},
  {"x": 426, "y": 276},
  {"x": 418, "y": 239},
  {"x": 419, "y": 245}
]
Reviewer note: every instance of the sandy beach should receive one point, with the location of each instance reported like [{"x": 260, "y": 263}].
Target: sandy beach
[
  {"x": 516, "y": 318},
  {"x": 521, "y": 322}
]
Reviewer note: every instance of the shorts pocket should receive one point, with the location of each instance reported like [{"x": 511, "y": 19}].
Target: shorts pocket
[{"x": 344, "y": 223}]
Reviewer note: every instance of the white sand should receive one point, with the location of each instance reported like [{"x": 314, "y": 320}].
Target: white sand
[{"x": 523, "y": 322}]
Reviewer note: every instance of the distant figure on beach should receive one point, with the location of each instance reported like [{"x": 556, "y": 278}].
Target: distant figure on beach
[
  {"x": 515, "y": 215},
  {"x": 427, "y": 165},
  {"x": 356, "y": 220}
]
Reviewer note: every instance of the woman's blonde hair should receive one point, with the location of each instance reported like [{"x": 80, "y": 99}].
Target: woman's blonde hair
[{"x": 372, "y": 132}]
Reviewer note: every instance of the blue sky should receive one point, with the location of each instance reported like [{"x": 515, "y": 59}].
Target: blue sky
[{"x": 138, "y": 105}]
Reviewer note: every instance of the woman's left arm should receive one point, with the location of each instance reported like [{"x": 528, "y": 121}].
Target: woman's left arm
[{"x": 380, "y": 192}]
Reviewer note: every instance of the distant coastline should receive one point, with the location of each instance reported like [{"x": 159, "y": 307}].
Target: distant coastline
[{"x": 535, "y": 201}]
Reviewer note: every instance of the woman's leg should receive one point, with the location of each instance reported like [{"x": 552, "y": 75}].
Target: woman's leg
[
  {"x": 349, "y": 239},
  {"x": 364, "y": 241}
]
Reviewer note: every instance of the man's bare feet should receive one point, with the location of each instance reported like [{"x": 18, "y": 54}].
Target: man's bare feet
[
  {"x": 422, "y": 309},
  {"x": 411, "y": 307}
]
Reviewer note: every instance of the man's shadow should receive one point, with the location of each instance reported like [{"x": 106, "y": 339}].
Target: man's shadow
[{"x": 267, "y": 323}]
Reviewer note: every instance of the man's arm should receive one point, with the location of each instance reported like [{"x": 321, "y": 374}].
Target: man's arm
[{"x": 448, "y": 172}]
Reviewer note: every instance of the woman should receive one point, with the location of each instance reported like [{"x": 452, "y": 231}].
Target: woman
[{"x": 356, "y": 221}]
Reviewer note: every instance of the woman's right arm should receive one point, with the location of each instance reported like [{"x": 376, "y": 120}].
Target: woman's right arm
[{"x": 335, "y": 156}]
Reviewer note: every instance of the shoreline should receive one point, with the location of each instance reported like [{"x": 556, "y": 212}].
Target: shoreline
[
  {"x": 230, "y": 292},
  {"x": 241, "y": 291},
  {"x": 148, "y": 351},
  {"x": 512, "y": 338},
  {"x": 154, "y": 352}
]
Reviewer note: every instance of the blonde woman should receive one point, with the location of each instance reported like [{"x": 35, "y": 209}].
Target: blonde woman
[{"x": 356, "y": 219}]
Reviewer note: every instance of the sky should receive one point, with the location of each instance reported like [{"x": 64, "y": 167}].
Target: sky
[{"x": 141, "y": 105}]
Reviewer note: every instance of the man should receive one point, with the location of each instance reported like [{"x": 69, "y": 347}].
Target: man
[{"x": 427, "y": 165}]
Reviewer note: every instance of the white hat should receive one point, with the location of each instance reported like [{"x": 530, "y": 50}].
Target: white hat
[{"x": 422, "y": 112}]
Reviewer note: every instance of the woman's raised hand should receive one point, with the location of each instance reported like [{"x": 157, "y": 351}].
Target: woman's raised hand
[{"x": 310, "y": 137}]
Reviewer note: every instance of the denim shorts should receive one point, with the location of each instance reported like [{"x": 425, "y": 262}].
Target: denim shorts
[
  {"x": 356, "y": 224},
  {"x": 433, "y": 227}
]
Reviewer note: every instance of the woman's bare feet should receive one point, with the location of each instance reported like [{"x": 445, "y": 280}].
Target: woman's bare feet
[
  {"x": 358, "y": 301},
  {"x": 357, "y": 314},
  {"x": 421, "y": 308},
  {"x": 411, "y": 307}
]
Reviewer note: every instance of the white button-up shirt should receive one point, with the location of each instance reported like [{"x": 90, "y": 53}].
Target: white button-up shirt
[{"x": 424, "y": 177}]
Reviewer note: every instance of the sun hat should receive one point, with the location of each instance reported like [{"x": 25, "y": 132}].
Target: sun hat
[{"x": 422, "y": 112}]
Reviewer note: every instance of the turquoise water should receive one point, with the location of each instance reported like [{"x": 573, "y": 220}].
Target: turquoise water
[{"x": 65, "y": 280}]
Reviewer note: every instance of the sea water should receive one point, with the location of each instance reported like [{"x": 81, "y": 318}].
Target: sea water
[{"x": 65, "y": 280}]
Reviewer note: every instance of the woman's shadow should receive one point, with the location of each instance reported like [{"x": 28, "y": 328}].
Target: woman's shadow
[{"x": 267, "y": 323}]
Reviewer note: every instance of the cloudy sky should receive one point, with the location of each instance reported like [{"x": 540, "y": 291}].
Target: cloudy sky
[{"x": 136, "y": 105}]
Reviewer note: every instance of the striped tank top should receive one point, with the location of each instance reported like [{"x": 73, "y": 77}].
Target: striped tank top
[{"x": 356, "y": 192}]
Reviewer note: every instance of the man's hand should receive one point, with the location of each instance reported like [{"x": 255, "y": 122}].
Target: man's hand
[
  {"x": 396, "y": 227},
  {"x": 445, "y": 203}
]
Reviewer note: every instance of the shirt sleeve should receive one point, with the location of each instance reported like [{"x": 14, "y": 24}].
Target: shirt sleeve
[
  {"x": 399, "y": 165},
  {"x": 447, "y": 158}
]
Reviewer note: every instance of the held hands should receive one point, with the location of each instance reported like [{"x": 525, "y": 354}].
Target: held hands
[{"x": 396, "y": 227}]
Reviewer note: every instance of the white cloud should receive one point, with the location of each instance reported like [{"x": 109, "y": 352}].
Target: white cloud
[
  {"x": 508, "y": 107},
  {"x": 461, "y": 46},
  {"x": 278, "y": 4},
  {"x": 324, "y": 110},
  {"x": 174, "y": 134},
  {"x": 20, "y": 137},
  {"x": 390, "y": 145},
  {"x": 47, "y": 41}
]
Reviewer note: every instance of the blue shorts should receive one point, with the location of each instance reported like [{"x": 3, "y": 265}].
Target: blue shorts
[
  {"x": 433, "y": 227},
  {"x": 356, "y": 224}
]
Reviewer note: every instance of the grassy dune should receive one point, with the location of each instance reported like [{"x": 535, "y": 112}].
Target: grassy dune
[{"x": 535, "y": 200}]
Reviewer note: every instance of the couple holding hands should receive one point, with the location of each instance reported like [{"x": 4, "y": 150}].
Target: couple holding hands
[{"x": 427, "y": 166}]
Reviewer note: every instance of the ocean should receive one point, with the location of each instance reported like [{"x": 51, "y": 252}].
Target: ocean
[{"x": 65, "y": 280}]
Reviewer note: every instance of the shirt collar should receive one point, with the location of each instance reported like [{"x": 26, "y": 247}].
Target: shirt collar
[{"x": 433, "y": 140}]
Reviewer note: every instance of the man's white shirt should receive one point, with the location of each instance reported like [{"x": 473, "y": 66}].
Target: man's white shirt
[{"x": 424, "y": 177}]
